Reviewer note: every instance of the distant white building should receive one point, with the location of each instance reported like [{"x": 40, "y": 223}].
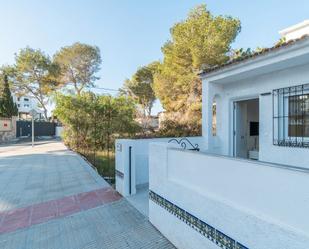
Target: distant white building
[
  {"x": 248, "y": 185},
  {"x": 151, "y": 122},
  {"x": 25, "y": 104}
]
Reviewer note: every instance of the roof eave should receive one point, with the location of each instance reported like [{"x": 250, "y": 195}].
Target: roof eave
[{"x": 255, "y": 59}]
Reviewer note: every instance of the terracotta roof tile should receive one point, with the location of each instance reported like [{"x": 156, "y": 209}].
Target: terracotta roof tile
[{"x": 254, "y": 55}]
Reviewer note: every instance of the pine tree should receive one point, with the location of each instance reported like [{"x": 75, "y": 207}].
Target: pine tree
[{"x": 8, "y": 108}]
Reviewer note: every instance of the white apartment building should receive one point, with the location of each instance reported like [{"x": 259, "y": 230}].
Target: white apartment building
[{"x": 25, "y": 104}]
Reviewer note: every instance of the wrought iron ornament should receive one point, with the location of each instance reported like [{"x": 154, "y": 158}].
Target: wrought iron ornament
[
  {"x": 183, "y": 142},
  {"x": 214, "y": 235}
]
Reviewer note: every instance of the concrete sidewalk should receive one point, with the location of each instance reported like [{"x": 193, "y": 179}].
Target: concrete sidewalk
[
  {"x": 46, "y": 172},
  {"x": 51, "y": 198}
]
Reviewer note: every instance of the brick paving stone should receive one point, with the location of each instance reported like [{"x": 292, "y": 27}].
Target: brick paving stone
[
  {"x": 88, "y": 200},
  {"x": 1, "y": 217},
  {"x": 12, "y": 225},
  {"x": 18, "y": 213},
  {"x": 115, "y": 225},
  {"x": 67, "y": 205},
  {"x": 38, "y": 213},
  {"x": 52, "y": 199},
  {"x": 43, "y": 212},
  {"x": 108, "y": 195}
]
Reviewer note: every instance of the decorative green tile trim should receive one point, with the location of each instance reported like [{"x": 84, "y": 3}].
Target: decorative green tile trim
[{"x": 216, "y": 236}]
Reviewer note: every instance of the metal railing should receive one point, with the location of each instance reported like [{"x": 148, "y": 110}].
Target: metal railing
[{"x": 184, "y": 142}]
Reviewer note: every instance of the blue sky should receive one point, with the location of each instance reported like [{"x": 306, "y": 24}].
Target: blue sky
[{"x": 130, "y": 33}]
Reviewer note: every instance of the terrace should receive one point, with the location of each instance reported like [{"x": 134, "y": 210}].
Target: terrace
[{"x": 235, "y": 197}]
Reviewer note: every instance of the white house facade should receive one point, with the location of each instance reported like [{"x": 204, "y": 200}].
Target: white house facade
[
  {"x": 270, "y": 91},
  {"x": 248, "y": 184}
]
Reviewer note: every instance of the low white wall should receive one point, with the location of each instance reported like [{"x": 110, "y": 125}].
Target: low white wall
[
  {"x": 59, "y": 130},
  {"x": 139, "y": 161},
  {"x": 260, "y": 206}
]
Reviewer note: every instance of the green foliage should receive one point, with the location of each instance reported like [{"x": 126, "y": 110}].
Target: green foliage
[
  {"x": 8, "y": 108},
  {"x": 281, "y": 41},
  {"x": 104, "y": 161},
  {"x": 174, "y": 128},
  {"x": 241, "y": 53},
  {"x": 35, "y": 74},
  {"x": 92, "y": 122},
  {"x": 200, "y": 41},
  {"x": 140, "y": 88},
  {"x": 79, "y": 63}
]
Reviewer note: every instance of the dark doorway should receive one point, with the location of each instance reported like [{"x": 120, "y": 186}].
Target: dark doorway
[{"x": 246, "y": 129}]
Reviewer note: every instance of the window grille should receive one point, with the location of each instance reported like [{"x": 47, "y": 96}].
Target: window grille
[{"x": 291, "y": 116}]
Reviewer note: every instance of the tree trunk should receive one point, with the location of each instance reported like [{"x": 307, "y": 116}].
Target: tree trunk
[
  {"x": 40, "y": 99},
  {"x": 78, "y": 91},
  {"x": 45, "y": 112}
]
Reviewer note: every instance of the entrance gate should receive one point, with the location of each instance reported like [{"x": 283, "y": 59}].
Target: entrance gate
[{"x": 24, "y": 128}]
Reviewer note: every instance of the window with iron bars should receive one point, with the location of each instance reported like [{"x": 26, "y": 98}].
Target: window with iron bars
[{"x": 291, "y": 116}]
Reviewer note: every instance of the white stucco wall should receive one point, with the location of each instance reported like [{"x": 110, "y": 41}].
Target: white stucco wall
[
  {"x": 252, "y": 88},
  {"x": 295, "y": 31},
  {"x": 121, "y": 164},
  {"x": 261, "y": 205},
  {"x": 256, "y": 204},
  {"x": 139, "y": 162},
  {"x": 59, "y": 130}
]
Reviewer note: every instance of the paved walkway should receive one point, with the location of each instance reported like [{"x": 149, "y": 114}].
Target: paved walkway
[
  {"x": 51, "y": 198},
  {"x": 140, "y": 200}
]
